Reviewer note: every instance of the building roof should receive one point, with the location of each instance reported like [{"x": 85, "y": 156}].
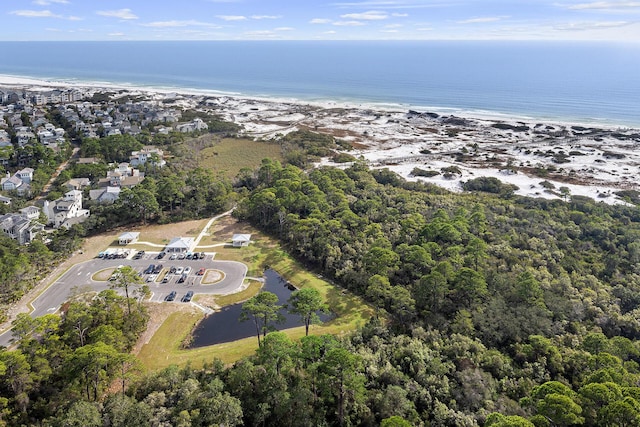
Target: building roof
[
  {"x": 181, "y": 243},
  {"x": 129, "y": 235},
  {"x": 241, "y": 238}
]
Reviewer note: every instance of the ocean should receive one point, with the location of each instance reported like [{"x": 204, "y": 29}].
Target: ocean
[{"x": 576, "y": 82}]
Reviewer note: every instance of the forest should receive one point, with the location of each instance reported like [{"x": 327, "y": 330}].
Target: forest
[{"x": 493, "y": 310}]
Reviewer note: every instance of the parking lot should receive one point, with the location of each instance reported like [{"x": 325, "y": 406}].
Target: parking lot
[{"x": 83, "y": 277}]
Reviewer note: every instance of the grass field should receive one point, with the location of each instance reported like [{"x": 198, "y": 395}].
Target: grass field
[
  {"x": 230, "y": 155},
  {"x": 165, "y": 347}
]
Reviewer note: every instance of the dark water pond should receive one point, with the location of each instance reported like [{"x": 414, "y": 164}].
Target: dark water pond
[{"x": 225, "y": 326}]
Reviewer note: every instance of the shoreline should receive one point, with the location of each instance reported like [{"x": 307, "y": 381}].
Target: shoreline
[
  {"x": 37, "y": 83},
  {"x": 540, "y": 157}
]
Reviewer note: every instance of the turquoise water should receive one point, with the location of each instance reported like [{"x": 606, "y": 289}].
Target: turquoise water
[{"x": 586, "y": 82}]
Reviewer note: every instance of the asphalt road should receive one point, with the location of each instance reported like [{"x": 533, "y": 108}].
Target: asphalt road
[{"x": 78, "y": 279}]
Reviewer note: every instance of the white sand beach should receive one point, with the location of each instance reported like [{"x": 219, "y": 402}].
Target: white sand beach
[{"x": 589, "y": 160}]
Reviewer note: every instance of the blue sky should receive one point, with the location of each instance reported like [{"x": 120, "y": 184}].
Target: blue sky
[{"x": 320, "y": 20}]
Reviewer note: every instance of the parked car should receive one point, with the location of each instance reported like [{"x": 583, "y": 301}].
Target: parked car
[
  {"x": 181, "y": 255},
  {"x": 202, "y": 255},
  {"x": 187, "y": 297},
  {"x": 172, "y": 269},
  {"x": 157, "y": 269},
  {"x": 182, "y": 278},
  {"x": 165, "y": 279},
  {"x": 161, "y": 255},
  {"x": 152, "y": 278},
  {"x": 201, "y": 271},
  {"x": 179, "y": 270},
  {"x": 150, "y": 269},
  {"x": 187, "y": 270},
  {"x": 139, "y": 255},
  {"x": 171, "y": 296},
  {"x": 189, "y": 255},
  {"x": 173, "y": 256}
]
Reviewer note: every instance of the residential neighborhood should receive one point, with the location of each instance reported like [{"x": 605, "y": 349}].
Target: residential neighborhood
[{"x": 41, "y": 126}]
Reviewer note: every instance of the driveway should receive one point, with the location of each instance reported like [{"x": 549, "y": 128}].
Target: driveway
[{"x": 79, "y": 279}]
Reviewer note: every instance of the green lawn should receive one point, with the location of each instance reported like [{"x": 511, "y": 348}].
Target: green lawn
[{"x": 231, "y": 154}]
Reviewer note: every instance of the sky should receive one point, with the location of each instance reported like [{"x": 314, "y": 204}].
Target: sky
[{"x": 25, "y": 20}]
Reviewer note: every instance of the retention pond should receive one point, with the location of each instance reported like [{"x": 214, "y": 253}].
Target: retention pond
[{"x": 225, "y": 325}]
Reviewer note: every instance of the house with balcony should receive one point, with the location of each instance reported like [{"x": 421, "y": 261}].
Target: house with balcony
[{"x": 66, "y": 211}]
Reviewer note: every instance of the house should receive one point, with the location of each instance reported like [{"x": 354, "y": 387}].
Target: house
[
  {"x": 123, "y": 176},
  {"x": 240, "y": 240},
  {"x": 180, "y": 244},
  {"x": 88, "y": 161},
  {"x": 25, "y": 175},
  {"x": 11, "y": 183},
  {"x": 195, "y": 125},
  {"x": 77, "y": 183},
  {"x": 105, "y": 194},
  {"x": 128, "y": 237},
  {"x": 19, "y": 227},
  {"x": 147, "y": 154},
  {"x": 66, "y": 211},
  {"x": 30, "y": 212}
]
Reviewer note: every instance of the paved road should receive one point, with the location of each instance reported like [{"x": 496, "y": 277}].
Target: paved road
[{"x": 78, "y": 279}]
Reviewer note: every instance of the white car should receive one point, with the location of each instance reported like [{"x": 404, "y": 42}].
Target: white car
[
  {"x": 187, "y": 270},
  {"x": 152, "y": 278},
  {"x": 179, "y": 270}
]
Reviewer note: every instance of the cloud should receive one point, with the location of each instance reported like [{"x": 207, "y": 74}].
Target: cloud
[
  {"x": 320, "y": 21},
  {"x": 393, "y": 4},
  {"x": 42, "y": 14},
  {"x": 125, "y": 14},
  {"x": 394, "y": 26},
  {"x": 49, "y": 2},
  {"x": 606, "y": 5},
  {"x": 348, "y": 23},
  {"x": 388, "y": 31},
  {"x": 266, "y": 17},
  {"x": 399, "y": 15},
  {"x": 482, "y": 20},
  {"x": 330, "y": 32},
  {"x": 260, "y": 33},
  {"x": 591, "y": 25},
  {"x": 232, "y": 17},
  {"x": 116, "y": 34},
  {"x": 372, "y": 15},
  {"x": 174, "y": 24},
  {"x": 284, "y": 29}
]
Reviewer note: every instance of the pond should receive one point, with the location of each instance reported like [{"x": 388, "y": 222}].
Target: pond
[{"x": 225, "y": 325}]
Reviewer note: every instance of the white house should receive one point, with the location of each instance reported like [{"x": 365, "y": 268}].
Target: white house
[
  {"x": 240, "y": 240},
  {"x": 66, "y": 211},
  {"x": 25, "y": 175},
  {"x": 196, "y": 124},
  {"x": 31, "y": 212},
  {"x": 128, "y": 237},
  {"x": 145, "y": 155},
  {"x": 180, "y": 244}
]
